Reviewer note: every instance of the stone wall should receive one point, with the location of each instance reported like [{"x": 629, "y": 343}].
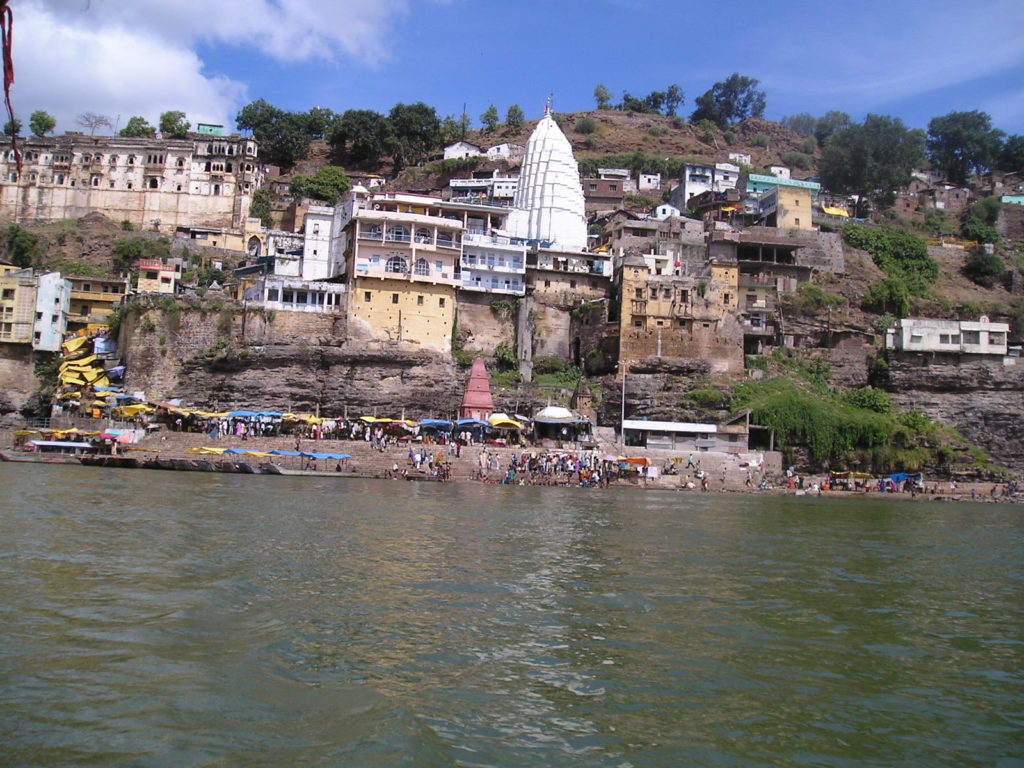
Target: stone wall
[
  {"x": 17, "y": 380},
  {"x": 479, "y": 327}
]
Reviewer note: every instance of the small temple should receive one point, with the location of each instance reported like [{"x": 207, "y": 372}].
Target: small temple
[{"x": 477, "y": 403}]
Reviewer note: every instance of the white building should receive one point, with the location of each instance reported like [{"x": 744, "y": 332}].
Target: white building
[
  {"x": 295, "y": 295},
  {"x": 779, "y": 170},
  {"x": 740, "y": 157},
  {"x": 649, "y": 181},
  {"x": 316, "y": 263},
  {"x": 980, "y": 337},
  {"x": 462, "y": 149},
  {"x": 549, "y": 207},
  {"x": 697, "y": 179},
  {"x": 666, "y": 211},
  {"x": 493, "y": 263},
  {"x": 505, "y": 152}
]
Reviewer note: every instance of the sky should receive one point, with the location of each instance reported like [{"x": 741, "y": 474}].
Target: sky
[{"x": 914, "y": 60}]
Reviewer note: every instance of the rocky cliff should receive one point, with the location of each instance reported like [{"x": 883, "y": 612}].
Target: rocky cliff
[{"x": 979, "y": 397}]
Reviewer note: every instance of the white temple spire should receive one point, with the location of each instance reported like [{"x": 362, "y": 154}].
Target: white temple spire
[{"x": 548, "y": 206}]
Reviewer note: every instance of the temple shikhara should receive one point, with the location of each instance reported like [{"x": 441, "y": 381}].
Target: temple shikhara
[{"x": 477, "y": 402}]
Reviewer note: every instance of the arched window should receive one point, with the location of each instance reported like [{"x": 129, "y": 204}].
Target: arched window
[
  {"x": 422, "y": 267},
  {"x": 395, "y": 264},
  {"x": 374, "y": 232},
  {"x": 444, "y": 238},
  {"x": 113, "y": 159},
  {"x": 423, "y": 235},
  {"x": 154, "y": 183},
  {"x": 398, "y": 233}
]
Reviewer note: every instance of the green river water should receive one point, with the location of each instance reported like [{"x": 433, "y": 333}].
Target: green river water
[{"x": 188, "y": 619}]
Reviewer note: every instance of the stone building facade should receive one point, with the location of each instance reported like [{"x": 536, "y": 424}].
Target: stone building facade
[{"x": 154, "y": 184}]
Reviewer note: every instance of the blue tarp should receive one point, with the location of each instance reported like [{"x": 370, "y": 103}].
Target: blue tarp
[
  {"x": 286, "y": 453},
  {"x": 471, "y": 423},
  {"x": 331, "y": 456},
  {"x": 436, "y": 423},
  {"x": 241, "y": 414},
  {"x": 272, "y": 414}
]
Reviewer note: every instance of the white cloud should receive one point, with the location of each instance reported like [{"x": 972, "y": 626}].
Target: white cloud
[{"x": 139, "y": 57}]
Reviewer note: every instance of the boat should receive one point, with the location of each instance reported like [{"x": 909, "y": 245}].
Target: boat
[
  {"x": 30, "y": 457},
  {"x": 51, "y": 452}
]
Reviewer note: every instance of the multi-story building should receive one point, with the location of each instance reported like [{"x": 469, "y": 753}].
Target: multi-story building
[
  {"x": 786, "y": 207},
  {"x": 493, "y": 263},
  {"x": 401, "y": 257},
  {"x": 160, "y": 184},
  {"x": 33, "y": 308},
  {"x": 93, "y": 300},
  {"x": 758, "y": 184},
  {"x": 697, "y": 179},
  {"x": 158, "y": 276}
]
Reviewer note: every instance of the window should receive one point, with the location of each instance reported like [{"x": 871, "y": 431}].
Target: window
[
  {"x": 398, "y": 233},
  {"x": 547, "y": 283},
  {"x": 423, "y": 235},
  {"x": 366, "y": 296},
  {"x": 396, "y": 264},
  {"x": 272, "y": 294},
  {"x": 440, "y": 302},
  {"x": 796, "y": 222},
  {"x": 726, "y": 298},
  {"x": 422, "y": 267},
  {"x": 654, "y": 293},
  {"x": 660, "y": 323},
  {"x": 613, "y": 187},
  {"x": 419, "y": 301},
  {"x": 996, "y": 337},
  {"x": 638, "y": 323},
  {"x": 394, "y": 298},
  {"x": 438, "y": 265},
  {"x": 572, "y": 283},
  {"x": 972, "y": 337},
  {"x": 638, "y": 293},
  {"x": 153, "y": 183}
]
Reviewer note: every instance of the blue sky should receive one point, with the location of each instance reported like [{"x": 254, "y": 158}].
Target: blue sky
[{"x": 914, "y": 60}]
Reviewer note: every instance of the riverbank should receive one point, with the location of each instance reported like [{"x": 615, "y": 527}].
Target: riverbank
[{"x": 724, "y": 473}]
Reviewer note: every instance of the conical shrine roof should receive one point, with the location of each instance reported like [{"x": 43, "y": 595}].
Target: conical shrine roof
[{"x": 478, "y": 390}]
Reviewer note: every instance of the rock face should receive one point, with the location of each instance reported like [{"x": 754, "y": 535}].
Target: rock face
[
  {"x": 287, "y": 361},
  {"x": 981, "y": 398},
  {"x": 654, "y": 389}
]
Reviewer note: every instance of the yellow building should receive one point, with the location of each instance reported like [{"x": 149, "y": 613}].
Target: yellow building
[
  {"x": 419, "y": 313},
  {"x": 157, "y": 277},
  {"x": 787, "y": 207},
  {"x": 402, "y": 257},
  {"x": 93, "y": 299}
]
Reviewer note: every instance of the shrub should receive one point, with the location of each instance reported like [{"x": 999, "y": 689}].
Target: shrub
[
  {"x": 888, "y": 297},
  {"x": 976, "y": 229},
  {"x": 127, "y": 226},
  {"x": 654, "y": 130},
  {"x": 542, "y": 365},
  {"x": 869, "y": 398},
  {"x": 590, "y": 142},
  {"x": 585, "y": 125},
  {"x": 707, "y": 398},
  {"x": 730, "y": 137},
  {"x": 809, "y": 299},
  {"x": 984, "y": 269},
  {"x": 798, "y": 160},
  {"x": 678, "y": 122},
  {"x": 505, "y": 356},
  {"x": 897, "y": 253},
  {"x": 810, "y": 144},
  {"x": 760, "y": 140}
]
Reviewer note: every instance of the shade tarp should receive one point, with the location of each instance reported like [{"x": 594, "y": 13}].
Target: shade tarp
[
  {"x": 505, "y": 423},
  {"x": 436, "y": 423},
  {"x": 73, "y": 345},
  {"x": 207, "y": 450},
  {"x": 325, "y": 456},
  {"x": 835, "y": 211},
  {"x": 635, "y": 461},
  {"x": 470, "y": 423},
  {"x": 285, "y": 453}
]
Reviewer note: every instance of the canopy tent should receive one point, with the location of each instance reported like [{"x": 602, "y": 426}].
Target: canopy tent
[
  {"x": 442, "y": 425},
  {"x": 504, "y": 421},
  {"x": 326, "y": 456},
  {"x": 557, "y": 423}
]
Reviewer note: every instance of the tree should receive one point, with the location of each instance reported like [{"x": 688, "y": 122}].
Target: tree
[
  {"x": 871, "y": 160},
  {"x": 174, "y": 125},
  {"x": 603, "y": 97},
  {"x": 830, "y": 123},
  {"x": 260, "y": 207},
  {"x": 490, "y": 119},
  {"x": 1012, "y": 156},
  {"x": 984, "y": 269},
  {"x": 21, "y": 247},
  {"x": 12, "y": 128},
  {"x": 139, "y": 128},
  {"x": 92, "y": 121},
  {"x": 514, "y": 118},
  {"x": 362, "y": 136},
  {"x": 319, "y": 122},
  {"x": 673, "y": 99},
  {"x": 329, "y": 184},
  {"x": 41, "y": 123},
  {"x": 803, "y": 123},
  {"x": 416, "y": 131},
  {"x": 283, "y": 136},
  {"x": 731, "y": 101},
  {"x": 963, "y": 143}
]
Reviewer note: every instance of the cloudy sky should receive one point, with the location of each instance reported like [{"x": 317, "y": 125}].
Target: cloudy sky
[{"x": 119, "y": 58}]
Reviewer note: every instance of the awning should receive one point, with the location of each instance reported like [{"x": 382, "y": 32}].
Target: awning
[
  {"x": 835, "y": 211},
  {"x": 441, "y": 424},
  {"x": 471, "y": 423},
  {"x": 73, "y": 345},
  {"x": 325, "y": 456},
  {"x": 505, "y": 423}
]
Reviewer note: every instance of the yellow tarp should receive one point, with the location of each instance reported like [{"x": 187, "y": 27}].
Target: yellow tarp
[
  {"x": 835, "y": 211},
  {"x": 207, "y": 450},
  {"x": 67, "y": 378},
  {"x": 80, "y": 362},
  {"x": 73, "y": 345},
  {"x": 505, "y": 423}
]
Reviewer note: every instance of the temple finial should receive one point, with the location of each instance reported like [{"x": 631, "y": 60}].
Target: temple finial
[{"x": 547, "y": 104}]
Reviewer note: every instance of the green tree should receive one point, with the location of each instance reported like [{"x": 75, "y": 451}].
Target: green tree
[
  {"x": 284, "y": 137},
  {"x": 416, "y": 132},
  {"x": 673, "y": 99},
  {"x": 963, "y": 143},
  {"x": 21, "y": 247},
  {"x": 41, "y": 123},
  {"x": 12, "y": 128},
  {"x": 985, "y": 269},
  {"x": 174, "y": 125},
  {"x": 260, "y": 207},
  {"x": 830, "y": 123},
  {"x": 329, "y": 184},
  {"x": 362, "y": 136},
  {"x": 871, "y": 160},
  {"x": 730, "y": 101},
  {"x": 888, "y": 297},
  {"x": 139, "y": 128},
  {"x": 319, "y": 122},
  {"x": 803, "y": 124},
  {"x": 490, "y": 119},
  {"x": 603, "y": 97},
  {"x": 1012, "y": 156},
  {"x": 258, "y": 117},
  {"x": 514, "y": 118}
]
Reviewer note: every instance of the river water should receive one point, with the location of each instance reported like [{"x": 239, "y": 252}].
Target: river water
[{"x": 190, "y": 619}]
